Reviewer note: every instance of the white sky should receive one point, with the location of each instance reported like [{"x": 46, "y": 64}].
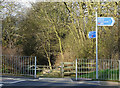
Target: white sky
[
  {"x": 20, "y": 1},
  {"x": 26, "y": 2},
  {"x": 23, "y": 2}
]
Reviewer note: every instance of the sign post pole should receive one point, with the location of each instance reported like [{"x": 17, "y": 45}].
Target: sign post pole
[
  {"x": 76, "y": 69},
  {"x": 35, "y": 68},
  {"x": 96, "y": 48},
  {"x": 100, "y": 21}
]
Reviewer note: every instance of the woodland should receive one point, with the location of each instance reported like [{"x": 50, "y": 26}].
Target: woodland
[{"x": 58, "y": 31}]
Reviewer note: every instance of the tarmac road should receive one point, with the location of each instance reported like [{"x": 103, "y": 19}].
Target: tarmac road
[{"x": 16, "y": 82}]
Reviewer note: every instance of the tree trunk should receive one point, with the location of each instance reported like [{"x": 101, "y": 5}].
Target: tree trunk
[{"x": 48, "y": 58}]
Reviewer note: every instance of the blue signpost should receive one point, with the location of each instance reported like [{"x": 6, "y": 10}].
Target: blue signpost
[
  {"x": 100, "y": 21},
  {"x": 105, "y": 21},
  {"x": 92, "y": 34}
]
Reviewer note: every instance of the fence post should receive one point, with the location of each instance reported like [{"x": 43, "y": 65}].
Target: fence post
[
  {"x": 119, "y": 70},
  {"x": 35, "y": 68},
  {"x": 62, "y": 70},
  {"x": 76, "y": 68}
]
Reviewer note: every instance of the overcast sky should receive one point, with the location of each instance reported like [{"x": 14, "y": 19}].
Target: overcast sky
[{"x": 23, "y": 2}]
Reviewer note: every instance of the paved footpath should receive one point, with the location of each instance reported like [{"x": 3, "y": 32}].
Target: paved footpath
[{"x": 11, "y": 82}]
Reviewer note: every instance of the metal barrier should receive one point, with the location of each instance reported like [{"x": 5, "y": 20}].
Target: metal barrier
[
  {"x": 86, "y": 68},
  {"x": 19, "y": 65},
  {"x": 108, "y": 69}
]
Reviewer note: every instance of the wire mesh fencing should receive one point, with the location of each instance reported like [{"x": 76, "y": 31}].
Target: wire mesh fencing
[{"x": 18, "y": 65}]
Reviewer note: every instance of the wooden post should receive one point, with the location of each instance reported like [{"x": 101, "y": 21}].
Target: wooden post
[{"x": 62, "y": 69}]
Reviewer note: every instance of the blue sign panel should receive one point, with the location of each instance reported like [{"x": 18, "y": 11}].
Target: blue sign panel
[
  {"x": 92, "y": 34},
  {"x": 105, "y": 21}
]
